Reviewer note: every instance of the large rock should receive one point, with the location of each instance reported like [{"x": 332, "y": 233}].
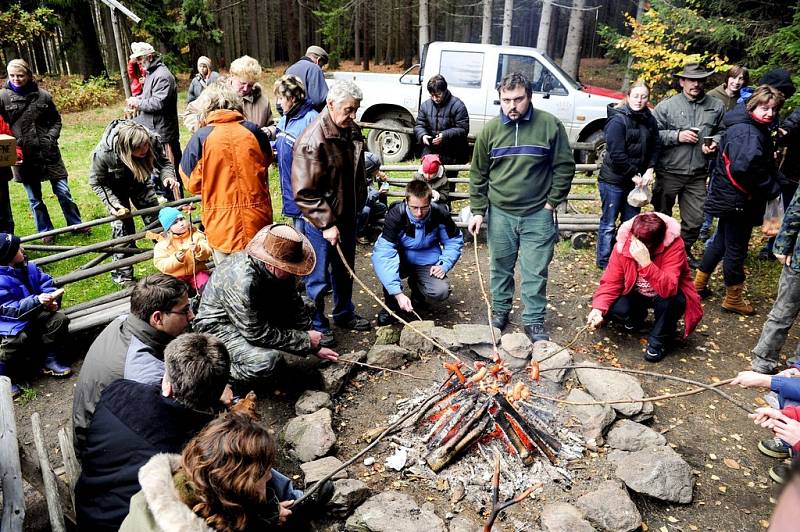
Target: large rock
[
  {"x": 658, "y": 472},
  {"x": 563, "y": 517},
  {"x": 347, "y": 494},
  {"x": 518, "y": 345},
  {"x": 392, "y": 511},
  {"x": 412, "y": 341},
  {"x": 388, "y": 356},
  {"x": 311, "y": 401},
  {"x": 593, "y": 418},
  {"x": 445, "y": 336},
  {"x": 609, "y": 507},
  {"x": 463, "y": 524},
  {"x": 629, "y": 436},
  {"x": 319, "y": 469},
  {"x": 605, "y": 385},
  {"x": 554, "y": 356},
  {"x": 386, "y": 335},
  {"x": 310, "y": 436},
  {"x": 473, "y": 334},
  {"x": 336, "y": 375}
]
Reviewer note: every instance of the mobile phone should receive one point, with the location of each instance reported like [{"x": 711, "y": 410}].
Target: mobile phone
[
  {"x": 384, "y": 186},
  {"x": 57, "y": 293}
]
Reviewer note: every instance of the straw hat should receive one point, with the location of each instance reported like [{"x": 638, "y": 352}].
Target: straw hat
[{"x": 283, "y": 247}]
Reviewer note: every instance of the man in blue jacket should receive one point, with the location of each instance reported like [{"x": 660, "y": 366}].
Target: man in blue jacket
[
  {"x": 309, "y": 70},
  {"x": 419, "y": 241}
]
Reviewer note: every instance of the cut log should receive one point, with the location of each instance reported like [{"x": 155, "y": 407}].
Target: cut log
[
  {"x": 32, "y": 474},
  {"x": 51, "y": 495},
  {"x": 441, "y": 456},
  {"x": 525, "y": 451},
  {"x": 72, "y": 468},
  {"x": 446, "y": 424},
  {"x": 10, "y": 469}
]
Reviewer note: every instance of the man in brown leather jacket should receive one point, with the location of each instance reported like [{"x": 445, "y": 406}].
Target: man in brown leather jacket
[{"x": 330, "y": 188}]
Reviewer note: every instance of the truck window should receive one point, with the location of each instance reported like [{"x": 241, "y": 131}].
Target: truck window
[
  {"x": 542, "y": 80},
  {"x": 461, "y": 69}
]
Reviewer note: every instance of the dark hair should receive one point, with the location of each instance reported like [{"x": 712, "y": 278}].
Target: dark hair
[
  {"x": 225, "y": 465},
  {"x": 512, "y": 80},
  {"x": 735, "y": 71},
  {"x": 419, "y": 189},
  {"x": 650, "y": 229},
  {"x": 437, "y": 84},
  {"x": 156, "y": 292},
  {"x": 197, "y": 366}
]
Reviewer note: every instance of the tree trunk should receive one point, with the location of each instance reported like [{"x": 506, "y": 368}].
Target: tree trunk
[
  {"x": 508, "y": 19},
  {"x": 356, "y": 36},
  {"x": 365, "y": 28},
  {"x": 80, "y": 39},
  {"x": 388, "y": 59},
  {"x": 424, "y": 26},
  {"x": 408, "y": 36},
  {"x": 301, "y": 27},
  {"x": 543, "y": 36},
  {"x": 486, "y": 27},
  {"x": 294, "y": 50},
  {"x": 572, "y": 49}
]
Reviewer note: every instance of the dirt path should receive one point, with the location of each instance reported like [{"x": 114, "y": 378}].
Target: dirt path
[{"x": 732, "y": 491}]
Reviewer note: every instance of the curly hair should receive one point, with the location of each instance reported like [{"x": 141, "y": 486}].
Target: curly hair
[{"x": 225, "y": 465}]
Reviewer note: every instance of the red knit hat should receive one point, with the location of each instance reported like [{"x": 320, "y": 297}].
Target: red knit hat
[{"x": 431, "y": 163}]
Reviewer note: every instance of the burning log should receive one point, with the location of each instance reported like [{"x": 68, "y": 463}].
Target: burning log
[
  {"x": 548, "y": 445},
  {"x": 524, "y": 448},
  {"x": 445, "y": 425},
  {"x": 442, "y": 455}
]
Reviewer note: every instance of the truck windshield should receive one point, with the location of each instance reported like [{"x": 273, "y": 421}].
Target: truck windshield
[
  {"x": 574, "y": 83},
  {"x": 462, "y": 69}
]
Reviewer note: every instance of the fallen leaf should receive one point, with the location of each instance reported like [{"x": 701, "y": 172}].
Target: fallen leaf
[
  {"x": 733, "y": 464},
  {"x": 723, "y": 489},
  {"x": 672, "y": 519}
]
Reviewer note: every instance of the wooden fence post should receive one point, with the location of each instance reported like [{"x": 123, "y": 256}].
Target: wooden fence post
[
  {"x": 51, "y": 495},
  {"x": 10, "y": 469}
]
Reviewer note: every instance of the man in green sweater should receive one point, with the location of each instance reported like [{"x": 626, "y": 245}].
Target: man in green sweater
[{"x": 522, "y": 168}]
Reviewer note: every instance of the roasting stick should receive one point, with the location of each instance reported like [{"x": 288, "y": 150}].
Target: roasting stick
[
  {"x": 483, "y": 291},
  {"x": 497, "y": 506},
  {"x": 371, "y": 366}
]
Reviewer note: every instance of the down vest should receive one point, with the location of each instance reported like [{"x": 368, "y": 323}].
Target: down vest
[{"x": 632, "y": 145}]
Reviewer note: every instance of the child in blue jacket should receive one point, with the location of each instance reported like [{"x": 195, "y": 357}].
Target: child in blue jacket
[{"x": 29, "y": 312}]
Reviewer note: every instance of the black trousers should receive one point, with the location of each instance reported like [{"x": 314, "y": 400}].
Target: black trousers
[
  {"x": 631, "y": 309},
  {"x": 729, "y": 245}
]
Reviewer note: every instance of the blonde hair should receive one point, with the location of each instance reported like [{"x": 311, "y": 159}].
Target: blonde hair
[
  {"x": 131, "y": 137},
  {"x": 246, "y": 68},
  {"x": 20, "y": 63},
  {"x": 218, "y": 96},
  {"x": 290, "y": 86},
  {"x": 762, "y": 96},
  {"x": 635, "y": 85}
]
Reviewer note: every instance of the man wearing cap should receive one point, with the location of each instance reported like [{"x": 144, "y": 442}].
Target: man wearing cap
[
  {"x": 309, "y": 70},
  {"x": 251, "y": 303},
  {"x": 157, "y": 105},
  {"x": 684, "y": 121}
]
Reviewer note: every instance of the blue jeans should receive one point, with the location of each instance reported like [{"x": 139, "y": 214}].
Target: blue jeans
[
  {"x": 68, "y": 206},
  {"x": 372, "y": 210},
  {"x": 614, "y": 201},
  {"x": 532, "y": 238},
  {"x": 329, "y": 270}
]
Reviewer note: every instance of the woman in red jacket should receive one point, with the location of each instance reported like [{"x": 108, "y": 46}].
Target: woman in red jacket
[
  {"x": 648, "y": 268},
  {"x": 6, "y": 215}
]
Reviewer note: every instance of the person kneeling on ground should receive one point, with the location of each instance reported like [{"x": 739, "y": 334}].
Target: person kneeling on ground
[
  {"x": 786, "y": 385},
  {"x": 29, "y": 312},
  {"x": 648, "y": 268},
  {"x": 251, "y": 303},
  {"x": 419, "y": 241},
  {"x": 134, "y": 422},
  {"x": 184, "y": 250},
  {"x": 785, "y": 425}
]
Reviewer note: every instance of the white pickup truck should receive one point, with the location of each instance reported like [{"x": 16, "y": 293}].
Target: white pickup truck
[{"x": 472, "y": 72}]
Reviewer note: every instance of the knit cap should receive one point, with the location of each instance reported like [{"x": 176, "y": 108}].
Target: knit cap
[
  {"x": 9, "y": 245},
  {"x": 779, "y": 79},
  {"x": 167, "y": 217},
  {"x": 431, "y": 163}
]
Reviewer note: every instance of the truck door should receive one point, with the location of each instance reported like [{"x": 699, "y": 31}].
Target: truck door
[
  {"x": 549, "y": 93},
  {"x": 464, "y": 73}
]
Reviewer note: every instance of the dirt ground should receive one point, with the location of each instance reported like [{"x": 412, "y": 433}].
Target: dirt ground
[{"x": 732, "y": 491}]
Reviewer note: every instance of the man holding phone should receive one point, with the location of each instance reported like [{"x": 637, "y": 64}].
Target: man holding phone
[{"x": 30, "y": 319}]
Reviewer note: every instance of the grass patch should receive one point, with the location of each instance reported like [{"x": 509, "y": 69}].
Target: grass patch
[{"x": 27, "y": 395}]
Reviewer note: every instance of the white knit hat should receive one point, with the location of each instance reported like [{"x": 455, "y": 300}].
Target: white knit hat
[{"x": 141, "y": 49}]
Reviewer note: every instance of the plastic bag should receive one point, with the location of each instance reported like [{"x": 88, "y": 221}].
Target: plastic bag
[
  {"x": 639, "y": 196},
  {"x": 773, "y": 217}
]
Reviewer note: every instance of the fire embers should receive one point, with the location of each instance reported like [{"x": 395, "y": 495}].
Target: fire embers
[{"x": 482, "y": 403}]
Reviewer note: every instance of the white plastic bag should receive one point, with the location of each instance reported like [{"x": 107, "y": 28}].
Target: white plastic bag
[
  {"x": 773, "y": 217},
  {"x": 639, "y": 196}
]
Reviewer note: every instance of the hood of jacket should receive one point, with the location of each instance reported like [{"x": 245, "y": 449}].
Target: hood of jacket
[
  {"x": 624, "y": 234},
  {"x": 300, "y": 110},
  {"x": 624, "y": 110}
]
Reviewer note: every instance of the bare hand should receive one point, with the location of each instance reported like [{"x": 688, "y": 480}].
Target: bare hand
[
  {"x": 763, "y": 416},
  {"x": 687, "y": 136},
  {"x": 639, "y": 252},
  {"x": 45, "y": 299},
  {"x": 747, "y": 379},
  {"x": 331, "y": 234},
  {"x": 426, "y": 140},
  {"x": 786, "y": 260},
  {"x": 595, "y": 319},
  {"x": 404, "y": 302},
  {"x": 438, "y": 139},
  {"x": 648, "y": 177},
  {"x": 170, "y": 183},
  {"x": 787, "y": 429},
  {"x": 709, "y": 149},
  {"x": 548, "y": 207},
  {"x": 438, "y": 272},
  {"x": 283, "y": 511},
  {"x": 132, "y": 102},
  {"x": 227, "y": 396},
  {"x": 637, "y": 180},
  {"x": 475, "y": 223},
  {"x": 180, "y": 255},
  {"x": 435, "y": 195},
  {"x": 326, "y": 353},
  {"x": 791, "y": 372},
  {"x": 315, "y": 337},
  {"x": 381, "y": 176}
]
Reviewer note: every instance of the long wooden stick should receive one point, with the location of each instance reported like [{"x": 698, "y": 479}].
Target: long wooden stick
[
  {"x": 483, "y": 291},
  {"x": 54, "y": 508},
  {"x": 497, "y": 506},
  {"x": 10, "y": 469},
  {"x": 372, "y": 366}
]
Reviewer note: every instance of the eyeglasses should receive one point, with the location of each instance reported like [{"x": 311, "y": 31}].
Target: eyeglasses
[{"x": 185, "y": 312}]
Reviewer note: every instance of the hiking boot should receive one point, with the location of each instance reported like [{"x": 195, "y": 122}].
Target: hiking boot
[
  {"x": 734, "y": 302},
  {"x": 759, "y": 365},
  {"x": 500, "y": 320},
  {"x": 15, "y": 391},
  {"x": 48, "y": 239},
  {"x": 774, "y": 447},
  {"x": 327, "y": 340},
  {"x": 55, "y": 368},
  {"x": 384, "y": 318},
  {"x": 536, "y": 332},
  {"x": 780, "y": 473},
  {"x": 355, "y": 323},
  {"x": 701, "y": 283},
  {"x": 314, "y": 504},
  {"x": 766, "y": 255},
  {"x": 654, "y": 353}
]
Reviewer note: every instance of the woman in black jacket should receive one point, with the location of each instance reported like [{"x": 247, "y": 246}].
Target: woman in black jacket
[
  {"x": 743, "y": 180},
  {"x": 632, "y": 143}
]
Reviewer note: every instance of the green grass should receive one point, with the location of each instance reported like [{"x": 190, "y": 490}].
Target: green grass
[{"x": 28, "y": 394}]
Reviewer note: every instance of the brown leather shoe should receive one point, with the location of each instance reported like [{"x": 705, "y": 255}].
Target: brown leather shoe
[
  {"x": 734, "y": 302},
  {"x": 701, "y": 283}
]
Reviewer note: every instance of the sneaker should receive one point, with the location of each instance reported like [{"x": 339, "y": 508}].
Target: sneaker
[
  {"x": 384, "y": 318},
  {"x": 780, "y": 473},
  {"x": 55, "y": 368},
  {"x": 774, "y": 447},
  {"x": 363, "y": 240},
  {"x": 536, "y": 332},
  {"x": 654, "y": 353},
  {"x": 327, "y": 340},
  {"x": 500, "y": 320},
  {"x": 355, "y": 323}
]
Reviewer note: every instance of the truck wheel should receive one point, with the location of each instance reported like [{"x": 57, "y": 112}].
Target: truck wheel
[
  {"x": 599, "y": 153},
  {"x": 393, "y": 146}
]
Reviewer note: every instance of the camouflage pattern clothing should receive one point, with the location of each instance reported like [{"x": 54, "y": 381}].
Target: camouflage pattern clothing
[{"x": 258, "y": 317}]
